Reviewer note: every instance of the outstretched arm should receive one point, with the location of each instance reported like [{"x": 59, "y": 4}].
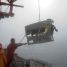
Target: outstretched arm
[{"x": 20, "y": 44}]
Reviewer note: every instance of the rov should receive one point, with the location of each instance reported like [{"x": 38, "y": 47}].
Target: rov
[{"x": 40, "y": 32}]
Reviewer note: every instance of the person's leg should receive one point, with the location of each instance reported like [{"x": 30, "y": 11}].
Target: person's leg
[{"x": 9, "y": 63}]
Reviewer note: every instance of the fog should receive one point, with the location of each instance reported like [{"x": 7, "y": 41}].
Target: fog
[{"x": 53, "y": 52}]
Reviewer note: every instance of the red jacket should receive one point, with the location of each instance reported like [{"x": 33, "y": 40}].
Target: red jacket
[{"x": 10, "y": 52}]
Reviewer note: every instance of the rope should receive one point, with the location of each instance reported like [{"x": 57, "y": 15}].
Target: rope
[{"x": 22, "y": 38}]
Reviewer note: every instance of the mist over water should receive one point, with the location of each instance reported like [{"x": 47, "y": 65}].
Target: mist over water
[{"x": 52, "y": 52}]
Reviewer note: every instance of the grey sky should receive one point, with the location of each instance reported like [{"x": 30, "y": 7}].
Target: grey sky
[{"x": 53, "y": 52}]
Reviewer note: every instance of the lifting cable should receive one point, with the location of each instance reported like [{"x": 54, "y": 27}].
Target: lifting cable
[
  {"x": 0, "y": 8},
  {"x": 39, "y": 10}
]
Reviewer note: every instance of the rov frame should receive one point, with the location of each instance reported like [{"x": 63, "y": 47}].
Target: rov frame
[{"x": 36, "y": 33}]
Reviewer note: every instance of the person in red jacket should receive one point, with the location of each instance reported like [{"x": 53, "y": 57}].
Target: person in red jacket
[
  {"x": 3, "y": 59},
  {"x": 11, "y": 49}
]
